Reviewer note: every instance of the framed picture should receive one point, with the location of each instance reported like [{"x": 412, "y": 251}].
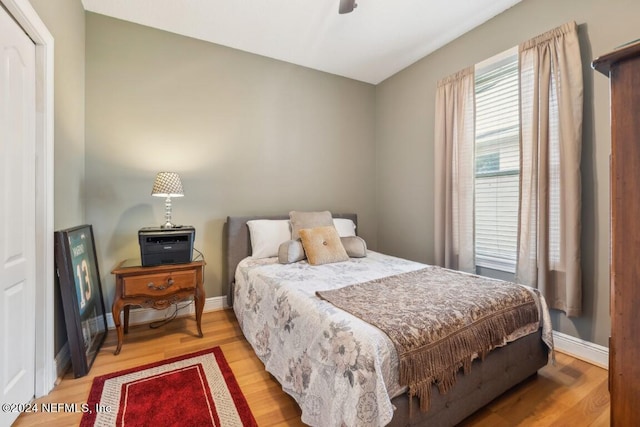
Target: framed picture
[{"x": 82, "y": 300}]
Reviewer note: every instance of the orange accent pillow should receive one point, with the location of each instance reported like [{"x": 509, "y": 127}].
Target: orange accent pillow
[{"x": 322, "y": 245}]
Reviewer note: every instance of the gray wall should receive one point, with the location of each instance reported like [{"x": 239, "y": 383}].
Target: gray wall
[
  {"x": 404, "y": 138},
  {"x": 246, "y": 133},
  {"x": 66, "y": 22}
]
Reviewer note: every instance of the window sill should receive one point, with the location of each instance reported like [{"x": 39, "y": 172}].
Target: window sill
[{"x": 504, "y": 265}]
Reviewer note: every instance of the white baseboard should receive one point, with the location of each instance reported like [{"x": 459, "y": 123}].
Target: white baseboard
[
  {"x": 62, "y": 361},
  {"x": 584, "y": 350},
  {"x": 139, "y": 316}
]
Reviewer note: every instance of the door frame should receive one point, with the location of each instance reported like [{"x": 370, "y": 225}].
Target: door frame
[{"x": 28, "y": 19}]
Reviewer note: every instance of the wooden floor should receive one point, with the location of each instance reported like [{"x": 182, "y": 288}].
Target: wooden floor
[{"x": 572, "y": 393}]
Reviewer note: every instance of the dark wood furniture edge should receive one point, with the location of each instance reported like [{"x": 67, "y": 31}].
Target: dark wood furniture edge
[
  {"x": 164, "y": 267},
  {"x": 604, "y": 63},
  {"x": 623, "y": 69}
]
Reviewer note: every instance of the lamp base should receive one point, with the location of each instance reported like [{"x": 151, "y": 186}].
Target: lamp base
[{"x": 167, "y": 214}]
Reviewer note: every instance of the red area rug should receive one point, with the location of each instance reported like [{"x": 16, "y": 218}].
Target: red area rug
[{"x": 197, "y": 389}]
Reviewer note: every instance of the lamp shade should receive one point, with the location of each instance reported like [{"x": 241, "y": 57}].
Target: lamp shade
[{"x": 167, "y": 184}]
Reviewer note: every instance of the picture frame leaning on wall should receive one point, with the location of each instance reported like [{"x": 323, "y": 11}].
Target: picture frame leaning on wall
[{"x": 81, "y": 292}]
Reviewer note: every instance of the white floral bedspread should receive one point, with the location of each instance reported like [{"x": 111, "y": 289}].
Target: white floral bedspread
[{"x": 340, "y": 369}]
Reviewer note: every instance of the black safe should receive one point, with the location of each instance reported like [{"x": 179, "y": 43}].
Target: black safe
[{"x": 160, "y": 245}]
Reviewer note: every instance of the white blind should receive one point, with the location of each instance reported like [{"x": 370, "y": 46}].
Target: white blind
[{"x": 497, "y": 162}]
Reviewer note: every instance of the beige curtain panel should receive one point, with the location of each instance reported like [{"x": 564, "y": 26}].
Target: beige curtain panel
[
  {"x": 454, "y": 171},
  {"x": 551, "y": 91}
]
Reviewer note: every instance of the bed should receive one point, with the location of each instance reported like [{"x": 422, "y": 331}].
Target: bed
[{"x": 295, "y": 334}]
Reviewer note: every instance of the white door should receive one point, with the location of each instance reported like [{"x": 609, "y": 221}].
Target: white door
[{"x": 17, "y": 216}]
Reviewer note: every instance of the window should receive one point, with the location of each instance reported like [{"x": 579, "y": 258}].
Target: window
[
  {"x": 507, "y": 154},
  {"x": 497, "y": 162}
]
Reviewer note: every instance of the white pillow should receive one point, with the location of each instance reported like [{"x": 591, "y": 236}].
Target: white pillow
[
  {"x": 267, "y": 235},
  {"x": 345, "y": 227}
]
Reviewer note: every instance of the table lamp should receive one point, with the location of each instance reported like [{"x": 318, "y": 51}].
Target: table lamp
[{"x": 168, "y": 185}]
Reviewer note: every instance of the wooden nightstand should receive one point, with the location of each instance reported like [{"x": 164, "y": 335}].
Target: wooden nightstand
[{"x": 157, "y": 287}]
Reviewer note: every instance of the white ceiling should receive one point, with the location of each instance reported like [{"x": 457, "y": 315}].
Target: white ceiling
[{"x": 375, "y": 41}]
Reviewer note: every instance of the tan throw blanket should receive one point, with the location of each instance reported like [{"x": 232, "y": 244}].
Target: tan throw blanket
[{"x": 438, "y": 320}]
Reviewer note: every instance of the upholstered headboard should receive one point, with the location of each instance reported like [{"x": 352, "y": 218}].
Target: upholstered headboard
[{"x": 238, "y": 244}]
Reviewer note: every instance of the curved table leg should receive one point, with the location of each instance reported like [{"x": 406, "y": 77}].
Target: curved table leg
[
  {"x": 115, "y": 311},
  {"x": 199, "y": 302}
]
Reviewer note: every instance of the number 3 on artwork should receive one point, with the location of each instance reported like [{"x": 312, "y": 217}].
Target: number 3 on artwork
[{"x": 85, "y": 285}]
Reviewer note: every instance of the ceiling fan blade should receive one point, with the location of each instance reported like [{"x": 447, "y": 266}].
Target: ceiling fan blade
[{"x": 347, "y": 6}]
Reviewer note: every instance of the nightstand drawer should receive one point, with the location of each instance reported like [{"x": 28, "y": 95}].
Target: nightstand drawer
[{"x": 159, "y": 284}]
